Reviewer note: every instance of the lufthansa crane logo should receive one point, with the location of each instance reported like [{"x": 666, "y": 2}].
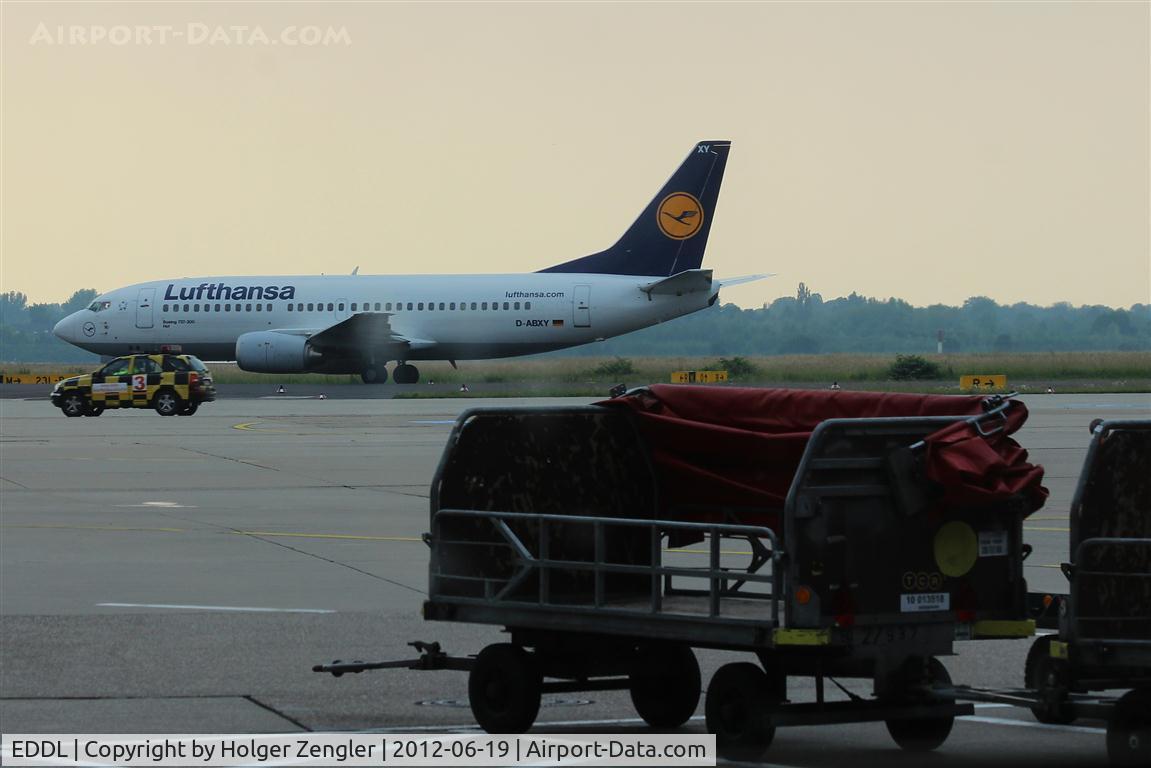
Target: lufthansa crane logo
[
  {"x": 89, "y": 329},
  {"x": 679, "y": 216}
]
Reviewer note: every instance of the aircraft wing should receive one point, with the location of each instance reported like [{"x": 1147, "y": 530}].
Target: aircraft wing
[{"x": 365, "y": 330}]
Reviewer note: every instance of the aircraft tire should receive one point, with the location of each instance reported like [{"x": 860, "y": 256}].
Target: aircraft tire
[
  {"x": 373, "y": 375},
  {"x": 406, "y": 374}
]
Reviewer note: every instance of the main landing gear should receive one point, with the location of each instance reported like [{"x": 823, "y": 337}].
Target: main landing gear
[
  {"x": 406, "y": 374},
  {"x": 373, "y": 375},
  {"x": 403, "y": 374}
]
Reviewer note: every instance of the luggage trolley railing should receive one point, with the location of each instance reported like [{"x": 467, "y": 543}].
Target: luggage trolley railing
[
  {"x": 1092, "y": 618},
  {"x": 502, "y": 588}
]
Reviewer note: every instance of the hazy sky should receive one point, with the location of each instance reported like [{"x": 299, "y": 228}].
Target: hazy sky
[{"x": 926, "y": 151}]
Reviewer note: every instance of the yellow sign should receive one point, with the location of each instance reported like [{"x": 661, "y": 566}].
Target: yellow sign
[
  {"x": 31, "y": 378},
  {"x": 698, "y": 377},
  {"x": 983, "y": 383},
  {"x": 679, "y": 215}
]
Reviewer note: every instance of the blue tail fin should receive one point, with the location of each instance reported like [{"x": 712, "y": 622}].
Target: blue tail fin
[{"x": 671, "y": 233}]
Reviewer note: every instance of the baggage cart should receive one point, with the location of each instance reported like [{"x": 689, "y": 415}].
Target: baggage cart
[{"x": 557, "y": 524}]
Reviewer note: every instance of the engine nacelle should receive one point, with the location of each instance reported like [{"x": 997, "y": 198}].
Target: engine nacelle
[{"x": 274, "y": 352}]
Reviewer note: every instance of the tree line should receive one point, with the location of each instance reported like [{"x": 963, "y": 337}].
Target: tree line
[{"x": 800, "y": 324}]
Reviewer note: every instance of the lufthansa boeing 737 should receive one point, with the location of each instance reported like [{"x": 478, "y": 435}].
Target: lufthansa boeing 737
[{"x": 359, "y": 323}]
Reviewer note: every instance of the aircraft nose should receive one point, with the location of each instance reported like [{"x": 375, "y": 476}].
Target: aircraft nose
[{"x": 66, "y": 329}]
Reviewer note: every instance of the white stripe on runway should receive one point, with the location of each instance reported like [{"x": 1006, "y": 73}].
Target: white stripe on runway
[
  {"x": 1032, "y": 724},
  {"x": 238, "y": 608}
]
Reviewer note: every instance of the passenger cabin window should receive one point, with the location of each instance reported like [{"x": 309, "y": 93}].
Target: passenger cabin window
[
  {"x": 290, "y": 307},
  {"x": 527, "y": 305},
  {"x": 354, "y": 305},
  {"x": 247, "y": 307},
  {"x": 378, "y": 306},
  {"x": 217, "y": 307},
  {"x": 442, "y": 306},
  {"x": 474, "y": 305},
  {"x": 341, "y": 306},
  {"x": 165, "y": 307},
  {"x": 517, "y": 305},
  {"x": 388, "y": 306},
  {"x": 268, "y": 307},
  {"x": 452, "y": 305},
  {"x": 409, "y": 306},
  {"x": 330, "y": 307},
  {"x": 482, "y": 306},
  {"x": 506, "y": 307}
]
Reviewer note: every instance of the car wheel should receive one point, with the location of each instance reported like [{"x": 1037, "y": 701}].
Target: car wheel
[
  {"x": 74, "y": 405},
  {"x": 167, "y": 403}
]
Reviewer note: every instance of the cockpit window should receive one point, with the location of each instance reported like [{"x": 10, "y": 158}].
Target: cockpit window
[{"x": 99, "y": 306}]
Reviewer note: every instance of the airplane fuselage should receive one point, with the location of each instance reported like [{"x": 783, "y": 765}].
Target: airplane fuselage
[{"x": 456, "y": 317}]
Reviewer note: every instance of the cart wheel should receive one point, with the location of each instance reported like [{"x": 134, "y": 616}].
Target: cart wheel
[
  {"x": 665, "y": 684},
  {"x": 738, "y": 704},
  {"x": 1129, "y": 730},
  {"x": 924, "y": 734},
  {"x": 504, "y": 689},
  {"x": 1048, "y": 676}
]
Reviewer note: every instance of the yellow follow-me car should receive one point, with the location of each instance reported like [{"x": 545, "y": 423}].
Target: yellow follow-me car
[{"x": 171, "y": 384}]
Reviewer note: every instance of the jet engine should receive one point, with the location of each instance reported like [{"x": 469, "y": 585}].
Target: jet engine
[{"x": 274, "y": 352}]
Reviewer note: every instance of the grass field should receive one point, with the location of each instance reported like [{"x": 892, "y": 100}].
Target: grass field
[{"x": 1067, "y": 371}]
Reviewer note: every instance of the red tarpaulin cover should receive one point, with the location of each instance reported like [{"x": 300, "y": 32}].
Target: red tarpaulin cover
[{"x": 740, "y": 447}]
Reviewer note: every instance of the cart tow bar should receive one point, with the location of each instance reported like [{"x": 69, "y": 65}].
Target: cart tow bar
[{"x": 431, "y": 658}]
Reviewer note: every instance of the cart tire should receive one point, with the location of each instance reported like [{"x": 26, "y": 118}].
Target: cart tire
[
  {"x": 738, "y": 706},
  {"x": 1129, "y": 730},
  {"x": 504, "y": 689},
  {"x": 924, "y": 734},
  {"x": 1047, "y": 676},
  {"x": 665, "y": 684}
]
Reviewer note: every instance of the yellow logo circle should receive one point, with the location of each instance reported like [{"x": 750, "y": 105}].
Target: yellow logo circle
[
  {"x": 956, "y": 548},
  {"x": 679, "y": 215}
]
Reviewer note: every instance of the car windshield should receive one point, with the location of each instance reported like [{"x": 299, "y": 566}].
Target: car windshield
[{"x": 99, "y": 306}]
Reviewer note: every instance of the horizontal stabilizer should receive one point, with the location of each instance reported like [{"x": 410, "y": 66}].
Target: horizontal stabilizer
[
  {"x": 726, "y": 281},
  {"x": 689, "y": 281}
]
